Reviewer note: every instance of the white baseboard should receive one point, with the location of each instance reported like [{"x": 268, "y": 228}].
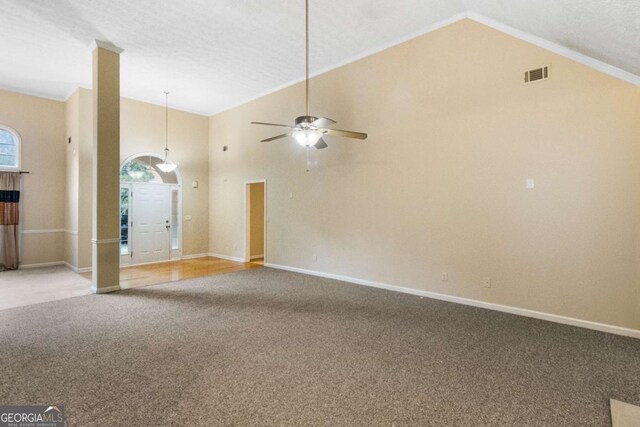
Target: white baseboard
[
  {"x": 106, "y": 290},
  {"x": 148, "y": 263},
  {"x": 195, "y": 256},
  {"x": 70, "y": 267},
  {"x": 257, "y": 257},
  {"x": 227, "y": 257},
  {"x": 602, "y": 327},
  {"x": 40, "y": 265},
  {"x": 56, "y": 263},
  {"x": 89, "y": 269}
]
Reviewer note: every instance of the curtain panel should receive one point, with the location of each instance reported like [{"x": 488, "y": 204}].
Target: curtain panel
[{"x": 9, "y": 219}]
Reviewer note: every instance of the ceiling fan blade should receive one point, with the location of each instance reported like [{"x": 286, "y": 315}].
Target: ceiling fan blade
[
  {"x": 346, "y": 133},
  {"x": 273, "y": 138},
  {"x": 321, "y": 144},
  {"x": 323, "y": 122},
  {"x": 271, "y": 124}
]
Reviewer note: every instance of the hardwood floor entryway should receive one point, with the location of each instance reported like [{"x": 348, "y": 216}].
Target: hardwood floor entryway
[
  {"x": 26, "y": 287},
  {"x": 153, "y": 274}
]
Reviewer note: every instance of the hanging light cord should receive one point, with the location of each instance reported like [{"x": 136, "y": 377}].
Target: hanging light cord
[
  {"x": 307, "y": 51},
  {"x": 166, "y": 125}
]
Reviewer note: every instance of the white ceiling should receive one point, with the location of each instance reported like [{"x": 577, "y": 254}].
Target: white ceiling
[{"x": 215, "y": 54}]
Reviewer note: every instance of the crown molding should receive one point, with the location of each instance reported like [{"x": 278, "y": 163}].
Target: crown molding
[
  {"x": 558, "y": 49},
  {"x": 369, "y": 52},
  {"x": 27, "y": 92},
  {"x": 105, "y": 45},
  {"x": 481, "y": 19}
]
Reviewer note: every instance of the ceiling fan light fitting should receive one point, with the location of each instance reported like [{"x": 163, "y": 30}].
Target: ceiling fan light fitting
[{"x": 307, "y": 138}]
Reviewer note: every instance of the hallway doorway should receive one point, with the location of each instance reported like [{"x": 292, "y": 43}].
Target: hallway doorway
[{"x": 256, "y": 221}]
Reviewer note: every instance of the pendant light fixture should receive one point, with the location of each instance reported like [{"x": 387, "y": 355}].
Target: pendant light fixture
[{"x": 166, "y": 166}]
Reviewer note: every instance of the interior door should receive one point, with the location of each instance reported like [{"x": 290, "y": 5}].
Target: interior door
[{"x": 150, "y": 226}]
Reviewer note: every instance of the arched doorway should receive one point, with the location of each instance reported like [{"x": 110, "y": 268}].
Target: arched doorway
[{"x": 150, "y": 211}]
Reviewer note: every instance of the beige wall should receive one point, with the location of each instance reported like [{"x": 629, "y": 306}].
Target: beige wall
[
  {"x": 256, "y": 218},
  {"x": 57, "y": 194},
  {"x": 440, "y": 183},
  {"x": 41, "y": 125},
  {"x": 85, "y": 172},
  {"x": 142, "y": 131},
  {"x": 72, "y": 175}
]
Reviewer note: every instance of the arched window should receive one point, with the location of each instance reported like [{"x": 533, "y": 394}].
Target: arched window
[
  {"x": 9, "y": 149},
  {"x": 144, "y": 168}
]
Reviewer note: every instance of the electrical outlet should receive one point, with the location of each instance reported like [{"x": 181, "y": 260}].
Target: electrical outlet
[
  {"x": 486, "y": 282},
  {"x": 445, "y": 276},
  {"x": 315, "y": 258}
]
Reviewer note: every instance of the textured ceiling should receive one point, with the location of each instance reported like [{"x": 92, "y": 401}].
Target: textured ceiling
[
  {"x": 215, "y": 54},
  {"x": 607, "y": 30}
]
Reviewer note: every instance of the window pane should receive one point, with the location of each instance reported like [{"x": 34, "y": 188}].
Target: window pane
[
  {"x": 8, "y": 161},
  {"x": 7, "y": 137},
  {"x": 8, "y": 149},
  {"x": 145, "y": 169},
  {"x": 174, "y": 220},
  {"x": 124, "y": 221},
  {"x": 139, "y": 170}
]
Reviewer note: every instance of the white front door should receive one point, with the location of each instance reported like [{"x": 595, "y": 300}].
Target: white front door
[{"x": 150, "y": 226}]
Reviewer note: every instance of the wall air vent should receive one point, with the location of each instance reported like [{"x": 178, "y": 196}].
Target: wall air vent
[{"x": 537, "y": 74}]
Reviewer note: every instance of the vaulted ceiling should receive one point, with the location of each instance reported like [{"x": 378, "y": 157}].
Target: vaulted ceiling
[{"x": 215, "y": 54}]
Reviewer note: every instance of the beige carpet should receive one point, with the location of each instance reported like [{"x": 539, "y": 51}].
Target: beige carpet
[
  {"x": 36, "y": 285},
  {"x": 266, "y": 347}
]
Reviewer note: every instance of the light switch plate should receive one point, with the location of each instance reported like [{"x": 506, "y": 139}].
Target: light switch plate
[{"x": 530, "y": 183}]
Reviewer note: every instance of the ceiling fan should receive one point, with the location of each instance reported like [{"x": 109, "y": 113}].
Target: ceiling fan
[{"x": 308, "y": 130}]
